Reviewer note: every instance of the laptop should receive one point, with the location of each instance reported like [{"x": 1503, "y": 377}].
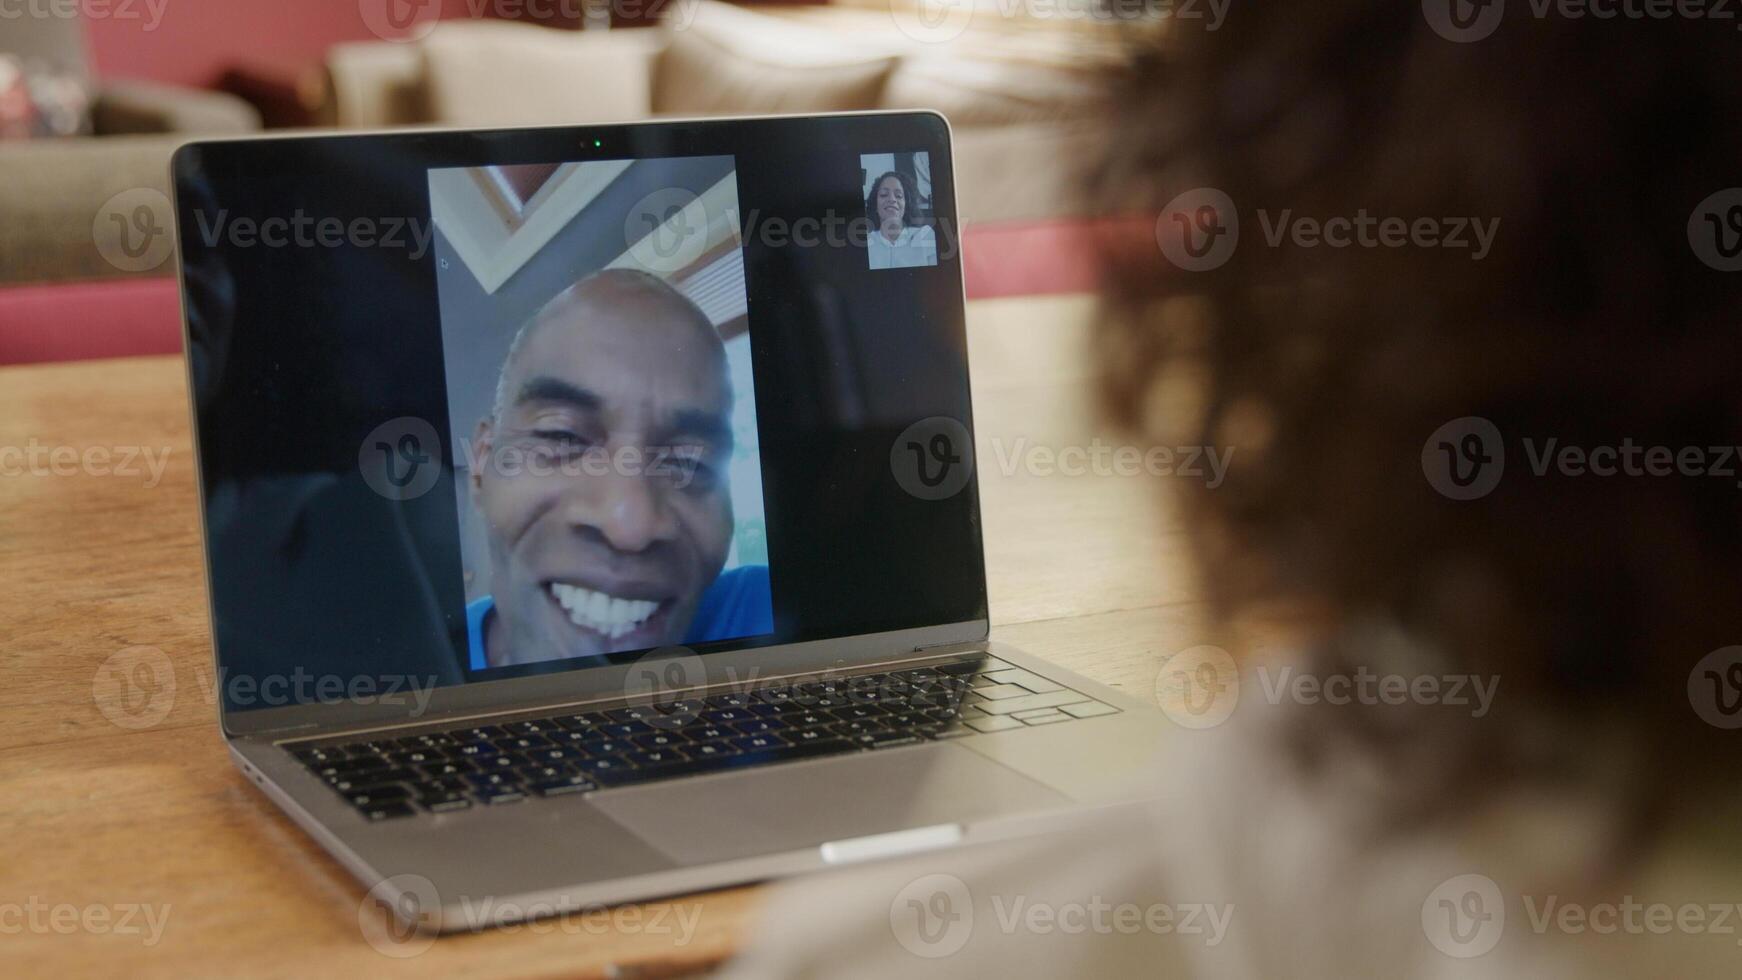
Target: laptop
[{"x": 590, "y": 512}]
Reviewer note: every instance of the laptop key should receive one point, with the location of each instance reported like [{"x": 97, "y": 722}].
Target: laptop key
[
  {"x": 444, "y": 801},
  {"x": 374, "y": 777},
  {"x": 993, "y": 723},
  {"x": 360, "y": 764},
  {"x": 888, "y": 740},
  {"x": 607, "y": 746},
  {"x": 658, "y": 757},
  {"x": 693, "y": 767},
  {"x": 490, "y": 780},
  {"x": 370, "y": 796},
  {"x": 757, "y": 743},
  {"x": 602, "y": 764},
  {"x": 564, "y": 784},
  {"x": 389, "y": 811},
  {"x": 453, "y": 767},
  {"x": 712, "y": 750}
]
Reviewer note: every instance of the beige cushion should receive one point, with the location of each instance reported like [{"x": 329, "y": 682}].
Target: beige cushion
[
  {"x": 729, "y": 60},
  {"x": 373, "y": 84},
  {"x": 986, "y": 93},
  {"x": 497, "y": 73}
]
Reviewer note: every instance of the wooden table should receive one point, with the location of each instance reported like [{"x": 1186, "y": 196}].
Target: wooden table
[{"x": 99, "y": 818}]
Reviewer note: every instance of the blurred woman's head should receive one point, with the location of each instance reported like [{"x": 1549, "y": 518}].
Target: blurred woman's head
[
  {"x": 1587, "y": 147},
  {"x": 892, "y": 202}
]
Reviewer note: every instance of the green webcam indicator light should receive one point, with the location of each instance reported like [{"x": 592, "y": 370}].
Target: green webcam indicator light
[{"x": 598, "y": 142}]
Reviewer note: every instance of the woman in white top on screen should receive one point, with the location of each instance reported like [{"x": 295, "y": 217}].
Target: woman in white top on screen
[{"x": 897, "y": 240}]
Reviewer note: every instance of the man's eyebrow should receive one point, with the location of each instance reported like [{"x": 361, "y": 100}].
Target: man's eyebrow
[{"x": 548, "y": 389}]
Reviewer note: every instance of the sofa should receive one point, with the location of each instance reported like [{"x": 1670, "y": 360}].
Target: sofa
[{"x": 1019, "y": 114}]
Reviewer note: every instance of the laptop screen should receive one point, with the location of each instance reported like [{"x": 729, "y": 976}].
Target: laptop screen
[{"x": 477, "y": 406}]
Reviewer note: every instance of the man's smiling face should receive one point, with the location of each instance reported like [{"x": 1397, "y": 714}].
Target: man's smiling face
[{"x": 601, "y": 476}]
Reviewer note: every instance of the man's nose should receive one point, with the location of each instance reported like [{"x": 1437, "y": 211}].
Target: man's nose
[{"x": 628, "y": 510}]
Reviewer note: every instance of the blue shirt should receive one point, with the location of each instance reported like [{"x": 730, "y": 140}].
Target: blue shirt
[{"x": 737, "y": 604}]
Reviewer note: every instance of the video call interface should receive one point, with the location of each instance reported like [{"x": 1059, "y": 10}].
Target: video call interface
[{"x": 666, "y": 403}]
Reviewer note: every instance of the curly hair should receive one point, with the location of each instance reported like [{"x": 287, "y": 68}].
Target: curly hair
[
  {"x": 910, "y": 199},
  {"x": 1590, "y": 322}
]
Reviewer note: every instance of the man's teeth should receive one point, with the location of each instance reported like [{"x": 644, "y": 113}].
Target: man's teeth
[{"x": 601, "y": 613}]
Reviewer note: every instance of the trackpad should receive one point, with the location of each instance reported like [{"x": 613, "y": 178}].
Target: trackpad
[{"x": 783, "y": 807}]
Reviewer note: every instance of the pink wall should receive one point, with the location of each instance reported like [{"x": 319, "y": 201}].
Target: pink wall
[{"x": 193, "y": 41}]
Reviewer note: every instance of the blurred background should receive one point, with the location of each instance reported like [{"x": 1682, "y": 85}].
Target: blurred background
[{"x": 94, "y": 98}]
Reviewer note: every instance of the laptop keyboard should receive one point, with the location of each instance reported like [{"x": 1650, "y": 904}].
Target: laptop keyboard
[{"x": 567, "y": 752}]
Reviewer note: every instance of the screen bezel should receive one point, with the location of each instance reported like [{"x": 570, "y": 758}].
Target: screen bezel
[{"x": 929, "y": 131}]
